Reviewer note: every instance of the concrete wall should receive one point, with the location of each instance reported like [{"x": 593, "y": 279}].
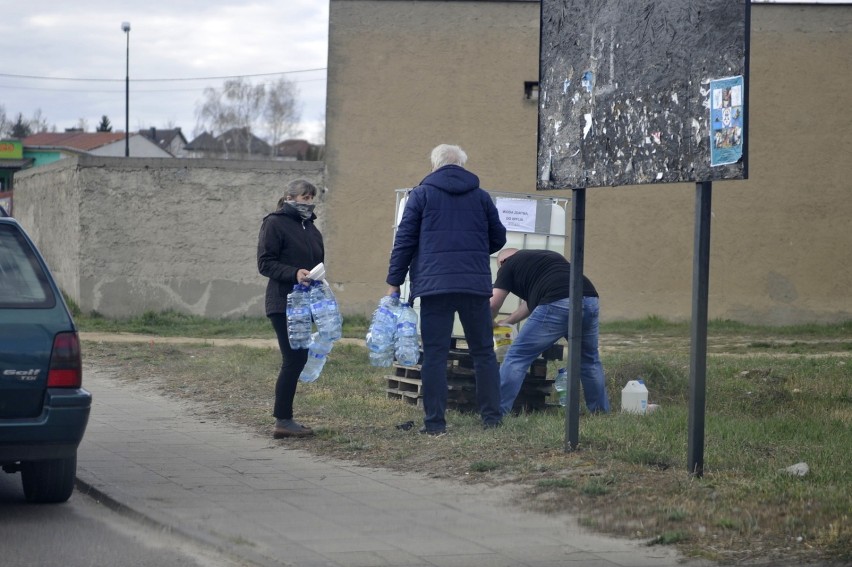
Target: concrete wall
[
  {"x": 404, "y": 76},
  {"x": 48, "y": 206},
  {"x": 128, "y": 235}
]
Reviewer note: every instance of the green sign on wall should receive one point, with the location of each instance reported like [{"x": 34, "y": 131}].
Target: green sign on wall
[{"x": 11, "y": 149}]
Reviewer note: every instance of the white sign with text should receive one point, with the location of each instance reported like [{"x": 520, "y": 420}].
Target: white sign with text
[{"x": 517, "y": 214}]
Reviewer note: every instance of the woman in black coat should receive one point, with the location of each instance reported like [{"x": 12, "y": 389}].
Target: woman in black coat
[{"x": 288, "y": 247}]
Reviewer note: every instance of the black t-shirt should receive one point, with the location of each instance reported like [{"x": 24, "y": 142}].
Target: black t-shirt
[{"x": 539, "y": 277}]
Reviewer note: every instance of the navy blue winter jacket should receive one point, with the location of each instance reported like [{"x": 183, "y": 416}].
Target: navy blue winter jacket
[{"x": 448, "y": 231}]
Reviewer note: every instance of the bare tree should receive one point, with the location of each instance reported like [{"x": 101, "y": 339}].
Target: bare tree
[
  {"x": 212, "y": 114},
  {"x": 4, "y": 122},
  {"x": 20, "y": 125},
  {"x": 244, "y": 107},
  {"x": 282, "y": 112},
  {"x": 38, "y": 123},
  {"x": 237, "y": 106}
]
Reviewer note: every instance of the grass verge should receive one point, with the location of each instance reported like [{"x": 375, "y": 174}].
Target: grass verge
[
  {"x": 766, "y": 410},
  {"x": 174, "y": 324}
]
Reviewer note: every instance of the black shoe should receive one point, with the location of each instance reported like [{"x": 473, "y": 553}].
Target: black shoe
[
  {"x": 432, "y": 432},
  {"x": 492, "y": 424}
]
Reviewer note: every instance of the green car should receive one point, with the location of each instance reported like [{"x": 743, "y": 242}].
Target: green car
[{"x": 43, "y": 407}]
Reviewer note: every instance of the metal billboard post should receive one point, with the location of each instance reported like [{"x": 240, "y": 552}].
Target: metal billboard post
[
  {"x": 575, "y": 320},
  {"x": 698, "y": 350}
]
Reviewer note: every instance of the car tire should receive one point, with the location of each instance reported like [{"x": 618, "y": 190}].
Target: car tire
[{"x": 49, "y": 481}]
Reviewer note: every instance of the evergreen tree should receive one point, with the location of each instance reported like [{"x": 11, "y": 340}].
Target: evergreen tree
[
  {"x": 105, "y": 125},
  {"x": 21, "y": 128}
]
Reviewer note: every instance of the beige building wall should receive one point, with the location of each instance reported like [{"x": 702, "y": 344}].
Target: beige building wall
[{"x": 404, "y": 76}]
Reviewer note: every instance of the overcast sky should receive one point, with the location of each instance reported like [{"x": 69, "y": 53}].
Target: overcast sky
[{"x": 176, "y": 40}]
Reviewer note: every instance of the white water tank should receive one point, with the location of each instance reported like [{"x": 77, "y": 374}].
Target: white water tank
[{"x": 542, "y": 226}]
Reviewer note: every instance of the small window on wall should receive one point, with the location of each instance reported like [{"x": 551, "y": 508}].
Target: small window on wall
[{"x": 531, "y": 90}]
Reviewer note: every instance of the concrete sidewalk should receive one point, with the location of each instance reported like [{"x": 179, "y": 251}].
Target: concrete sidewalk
[{"x": 270, "y": 504}]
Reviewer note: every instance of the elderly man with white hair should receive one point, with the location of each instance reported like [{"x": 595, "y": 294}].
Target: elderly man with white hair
[{"x": 448, "y": 231}]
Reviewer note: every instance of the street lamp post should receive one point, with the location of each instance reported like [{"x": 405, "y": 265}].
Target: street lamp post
[{"x": 125, "y": 27}]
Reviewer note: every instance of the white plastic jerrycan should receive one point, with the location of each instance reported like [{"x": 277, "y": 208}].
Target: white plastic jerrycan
[{"x": 634, "y": 397}]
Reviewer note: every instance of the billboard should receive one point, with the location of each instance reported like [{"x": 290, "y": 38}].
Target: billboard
[{"x": 642, "y": 91}]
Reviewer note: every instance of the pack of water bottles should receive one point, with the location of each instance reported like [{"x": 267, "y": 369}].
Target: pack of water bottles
[
  {"x": 393, "y": 333},
  {"x": 381, "y": 336},
  {"x": 407, "y": 344},
  {"x": 308, "y": 305},
  {"x": 325, "y": 311},
  {"x": 299, "y": 317}
]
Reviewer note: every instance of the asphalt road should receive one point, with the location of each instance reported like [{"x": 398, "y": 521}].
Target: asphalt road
[{"x": 85, "y": 533}]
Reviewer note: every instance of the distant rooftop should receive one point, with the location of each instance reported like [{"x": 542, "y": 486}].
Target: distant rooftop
[
  {"x": 163, "y": 137},
  {"x": 84, "y": 141}
]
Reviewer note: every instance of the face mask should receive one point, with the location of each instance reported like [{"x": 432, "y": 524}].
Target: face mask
[{"x": 304, "y": 209}]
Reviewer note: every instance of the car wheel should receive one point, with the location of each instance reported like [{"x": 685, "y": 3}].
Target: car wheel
[{"x": 49, "y": 481}]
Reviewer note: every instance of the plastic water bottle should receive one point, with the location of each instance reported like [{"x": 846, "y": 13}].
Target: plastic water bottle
[
  {"x": 561, "y": 386},
  {"x": 382, "y": 332},
  {"x": 381, "y": 335},
  {"x": 317, "y": 355},
  {"x": 383, "y": 326},
  {"x": 378, "y": 356},
  {"x": 325, "y": 311},
  {"x": 298, "y": 317},
  {"x": 407, "y": 345}
]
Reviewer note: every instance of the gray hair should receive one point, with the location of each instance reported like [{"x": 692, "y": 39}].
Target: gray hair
[
  {"x": 298, "y": 188},
  {"x": 446, "y": 154}
]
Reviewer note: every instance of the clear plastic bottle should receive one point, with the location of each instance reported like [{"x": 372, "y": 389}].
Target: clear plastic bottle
[
  {"x": 379, "y": 356},
  {"x": 407, "y": 345},
  {"x": 325, "y": 311},
  {"x": 317, "y": 355},
  {"x": 382, "y": 332},
  {"x": 298, "y": 317},
  {"x": 561, "y": 386},
  {"x": 383, "y": 325}
]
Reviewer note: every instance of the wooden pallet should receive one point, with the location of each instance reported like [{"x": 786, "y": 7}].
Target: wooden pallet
[
  {"x": 405, "y": 383},
  {"x": 405, "y": 389}
]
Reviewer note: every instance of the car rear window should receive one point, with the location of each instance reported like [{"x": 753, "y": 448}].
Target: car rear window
[{"x": 23, "y": 283}]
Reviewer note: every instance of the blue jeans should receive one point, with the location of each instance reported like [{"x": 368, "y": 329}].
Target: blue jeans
[
  {"x": 437, "y": 314},
  {"x": 545, "y": 326}
]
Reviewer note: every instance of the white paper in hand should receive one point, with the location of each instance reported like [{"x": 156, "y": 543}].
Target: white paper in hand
[{"x": 318, "y": 273}]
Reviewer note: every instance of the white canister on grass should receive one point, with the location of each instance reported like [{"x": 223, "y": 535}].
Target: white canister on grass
[{"x": 634, "y": 397}]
